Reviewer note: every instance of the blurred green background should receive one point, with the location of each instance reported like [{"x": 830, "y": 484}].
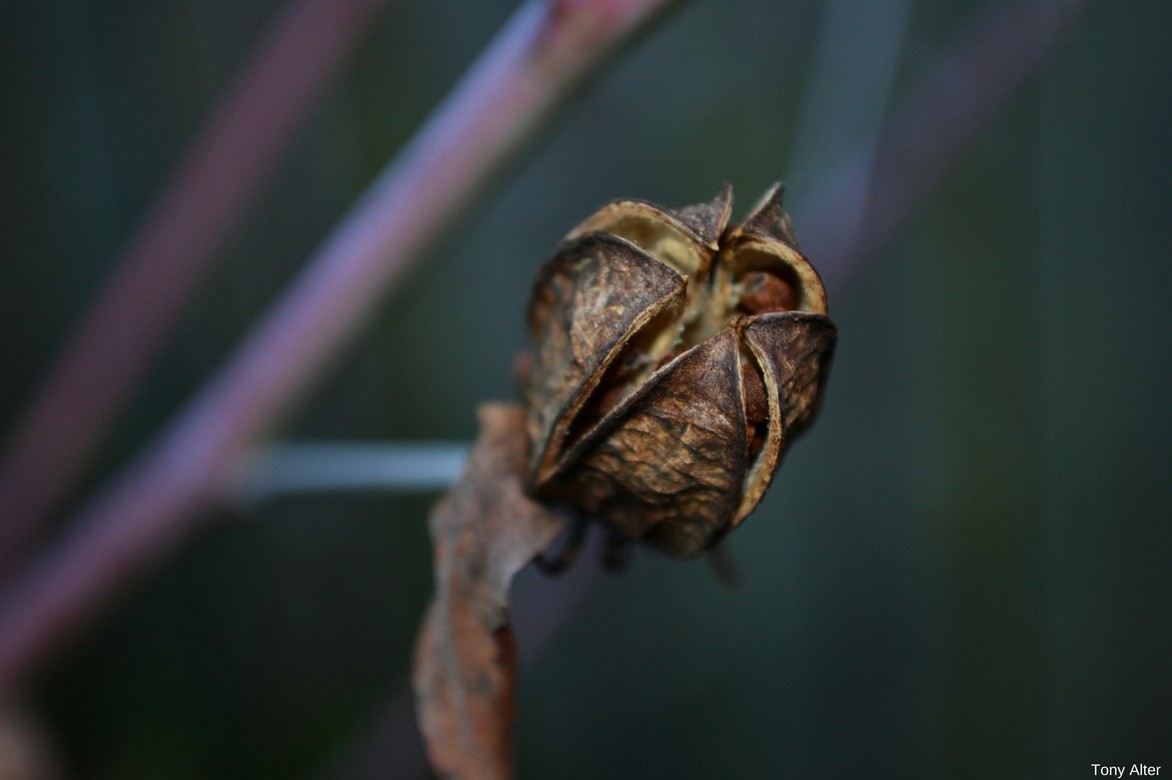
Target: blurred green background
[{"x": 963, "y": 570}]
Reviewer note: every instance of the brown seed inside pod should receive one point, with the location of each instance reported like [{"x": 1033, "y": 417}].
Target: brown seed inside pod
[{"x": 763, "y": 291}]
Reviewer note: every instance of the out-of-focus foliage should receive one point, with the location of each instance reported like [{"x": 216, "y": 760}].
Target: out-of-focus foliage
[{"x": 962, "y": 572}]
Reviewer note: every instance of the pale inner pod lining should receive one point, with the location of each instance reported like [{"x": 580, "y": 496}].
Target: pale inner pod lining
[{"x": 673, "y": 247}]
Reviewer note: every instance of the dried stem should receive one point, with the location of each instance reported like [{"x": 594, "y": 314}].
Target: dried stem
[
  {"x": 483, "y": 531},
  {"x": 167, "y": 257},
  {"x": 541, "y": 54}
]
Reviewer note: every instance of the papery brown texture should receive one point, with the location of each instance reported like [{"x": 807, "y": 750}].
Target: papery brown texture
[
  {"x": 484, "y": 531},
  {"x": 674, "y": 358}
]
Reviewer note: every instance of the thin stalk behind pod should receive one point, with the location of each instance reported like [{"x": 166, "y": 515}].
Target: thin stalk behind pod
[{"x": 674, "y": 358}]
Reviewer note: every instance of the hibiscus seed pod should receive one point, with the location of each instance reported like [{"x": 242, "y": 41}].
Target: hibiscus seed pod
[{"x": 674, "y": 358}]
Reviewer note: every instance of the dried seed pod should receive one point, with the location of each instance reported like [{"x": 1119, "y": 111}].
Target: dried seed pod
[{"x": 674, "y": 358}]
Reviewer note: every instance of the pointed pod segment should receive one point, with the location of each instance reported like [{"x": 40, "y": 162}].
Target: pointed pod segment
[
  {"x": 587, "y": 305},
  {"x": 668, "y": 463},
  {"x": 765, "y": 242},
  {"x": 659, "y": 231},
  {"x": 674, "y": 360},
  {"x": 793, "y": 351}
]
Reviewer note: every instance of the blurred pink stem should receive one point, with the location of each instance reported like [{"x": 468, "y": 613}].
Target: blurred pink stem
[
  {"x": 544, "y": 50},
  {"x": 166, "y": 258}
]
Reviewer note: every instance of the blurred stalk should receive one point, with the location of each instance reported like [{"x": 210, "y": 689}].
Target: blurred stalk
[
  {"x": 167, "y": 257},
  {"x": 286, "y": 469},
  {"x": 535, "y": 62},
  {"x": 845, "y": 107},
  {"x": 928, "y": 132}
]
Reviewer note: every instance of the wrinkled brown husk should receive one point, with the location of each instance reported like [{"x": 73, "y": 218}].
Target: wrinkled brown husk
[
  {"x": 681, "y": 437},
  {"x": 674, "y": 360}
]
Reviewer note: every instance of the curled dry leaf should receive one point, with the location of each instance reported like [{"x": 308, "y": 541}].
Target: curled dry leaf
[
  {"x": 484, "y": 531},
  {"x": 674, "y": 358}
]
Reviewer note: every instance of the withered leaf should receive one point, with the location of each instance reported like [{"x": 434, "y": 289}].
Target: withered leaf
[{"x": 484, "y": 531}]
